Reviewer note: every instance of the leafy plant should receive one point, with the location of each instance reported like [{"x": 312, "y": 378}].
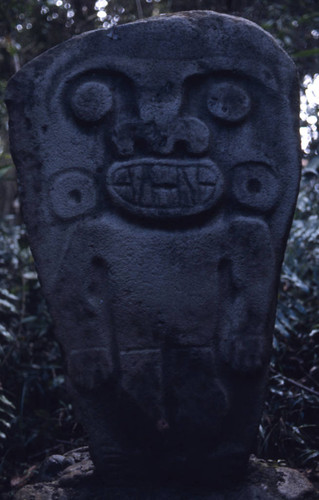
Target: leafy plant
[
  {"x": 35, "y": 414},
  {"x": 290, "y": 427}
]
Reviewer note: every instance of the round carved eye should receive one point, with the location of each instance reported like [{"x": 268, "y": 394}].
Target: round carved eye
[
  {"x": 228, "y": 102},
  {"x": 72, "y": 193},
  {"x": 91, "y": 101},
  {"x": 254, "y": 185}
]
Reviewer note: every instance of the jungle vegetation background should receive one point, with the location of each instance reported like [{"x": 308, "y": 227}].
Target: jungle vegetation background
[{"x": 36, "y": 417}]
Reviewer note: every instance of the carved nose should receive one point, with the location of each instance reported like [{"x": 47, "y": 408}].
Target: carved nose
[
  {"x": 163, "y": 111},
  {"x": 187, "y": 132},
  {"x": 159, "y": 108},
  {"x": 161, "y": 127}
]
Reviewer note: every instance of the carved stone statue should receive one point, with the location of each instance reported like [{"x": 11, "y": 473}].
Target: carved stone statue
[{"x": 158, "y": 167}]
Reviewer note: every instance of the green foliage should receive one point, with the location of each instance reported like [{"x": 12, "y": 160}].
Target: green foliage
[
  {"x": 6, "y": 408},
  {"x": 35, "y": 415},
  {"x": 290, "y": 426},
  {"x": 31, "y": 26}
]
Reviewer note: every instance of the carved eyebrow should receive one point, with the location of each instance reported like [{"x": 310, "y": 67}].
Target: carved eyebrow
[
  {"x": 243, "y": 69},
  {"x": 97, "y": 74},
  {"x": 253, "y": 70},
  {"x": 270, "y": 83},
  {"x": 239, "y": 76}
]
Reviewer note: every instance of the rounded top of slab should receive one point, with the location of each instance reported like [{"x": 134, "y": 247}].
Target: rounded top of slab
[
  {"x": 200, "y": 36},
  {"x": 181, "y": 120}
]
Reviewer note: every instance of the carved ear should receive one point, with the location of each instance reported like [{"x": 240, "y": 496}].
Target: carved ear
[
  {"x": 72, "y": 193},
  {"x": 256, "y": 186}
]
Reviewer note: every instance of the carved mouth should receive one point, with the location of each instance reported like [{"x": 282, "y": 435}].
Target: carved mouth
[{"x": 165, "y": 188}]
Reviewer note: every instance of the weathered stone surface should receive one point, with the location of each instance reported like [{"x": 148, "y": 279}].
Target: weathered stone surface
[
  {"x": 158, "y": 167},
  {"x": 78, "y": 482},
  {"x": 293, "y": 484}
]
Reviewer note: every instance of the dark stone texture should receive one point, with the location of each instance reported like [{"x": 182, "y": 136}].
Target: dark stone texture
[{"x": 158, "y": 167}]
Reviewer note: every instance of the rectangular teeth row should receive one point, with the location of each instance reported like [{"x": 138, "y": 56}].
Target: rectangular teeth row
[{"x": 164, "y": 186}]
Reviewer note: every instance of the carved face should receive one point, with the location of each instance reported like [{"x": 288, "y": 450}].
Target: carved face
[
  {"x": 181, "y": 123},
  {"x": 166, "y": 129}
]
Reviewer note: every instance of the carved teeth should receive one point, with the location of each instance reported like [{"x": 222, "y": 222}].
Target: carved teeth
[
  {"x": 165, "y": 177},
  {"x": 165, "y": 187},
  {"x": 137, "y": 181}
]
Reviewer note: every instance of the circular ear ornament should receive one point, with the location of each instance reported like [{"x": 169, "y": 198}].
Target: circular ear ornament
[
  {"x": 72, "y": 193},
  {"x": 228, "y": 102},
  {"x": 91, "y": 101},
  {"x": 255, "y": 186}
]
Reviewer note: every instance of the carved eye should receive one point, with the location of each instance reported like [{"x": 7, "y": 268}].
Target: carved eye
[
  {"x": 228, "y": 102},
  {"x": 254, "y": 185},
  {"x": 91, "y": 101},
  {"x": 72, "y": 193}
]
